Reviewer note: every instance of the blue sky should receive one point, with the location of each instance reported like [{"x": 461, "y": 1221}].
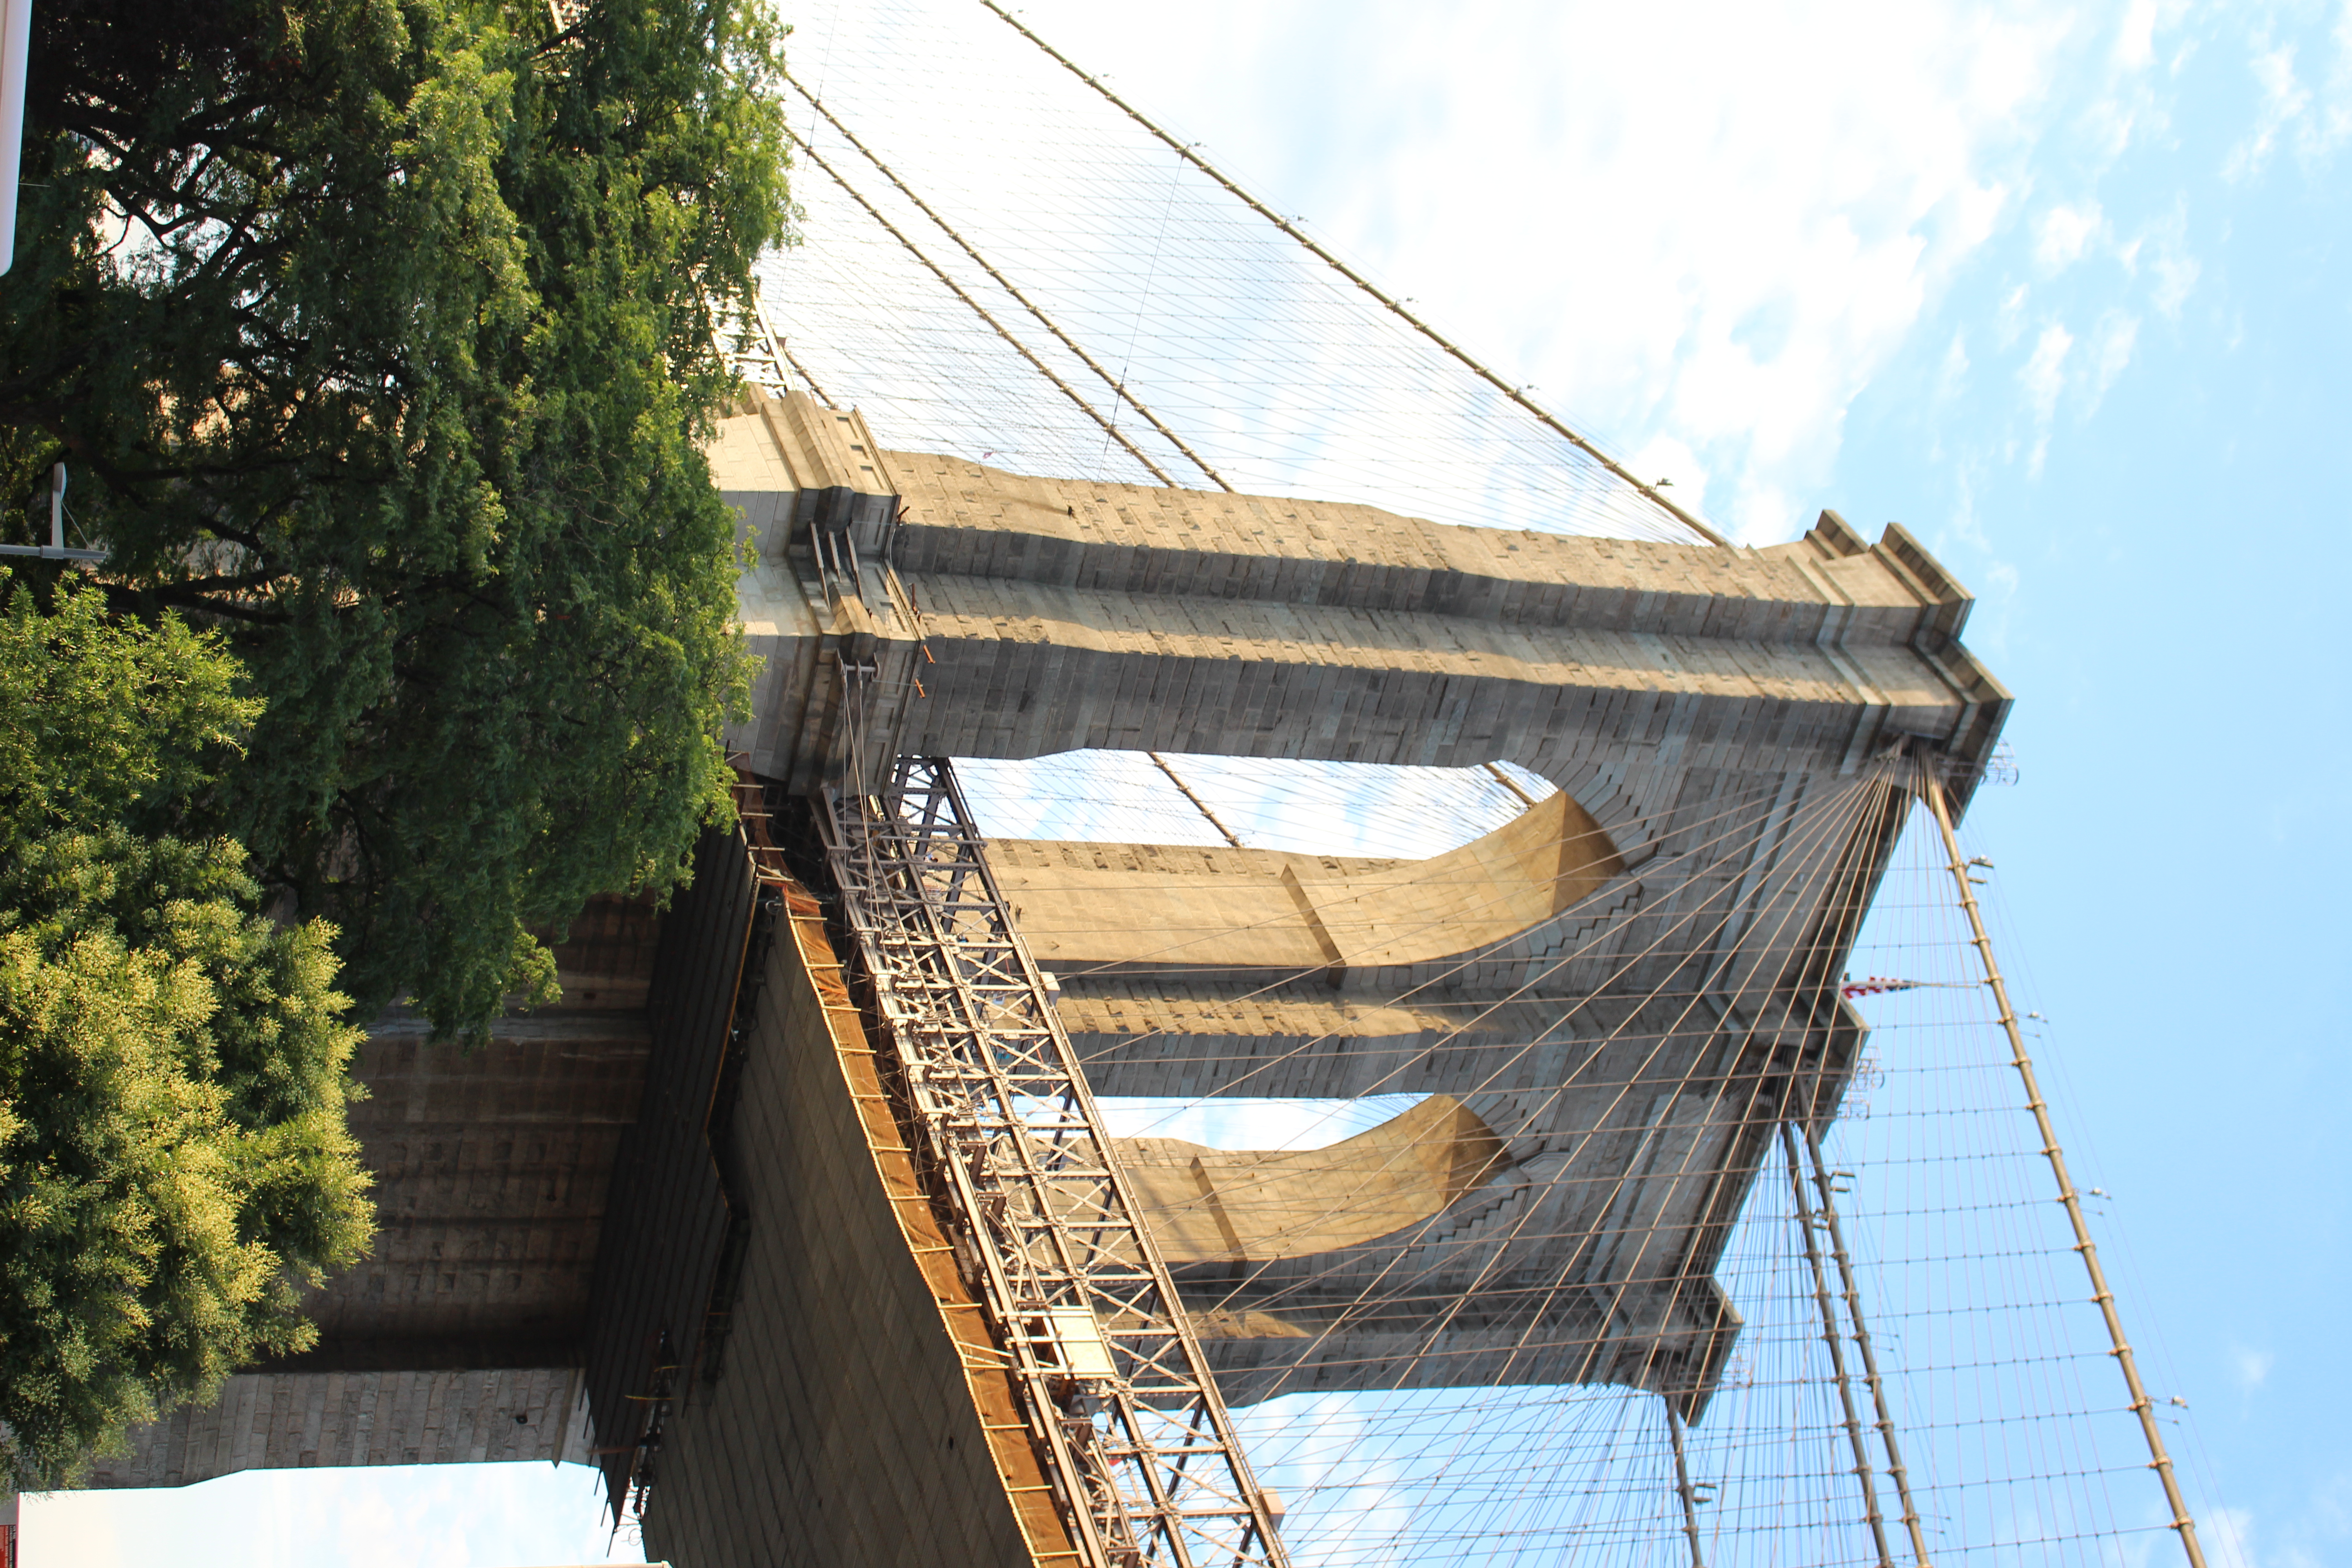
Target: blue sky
[{"x": 2064, "y": 290}]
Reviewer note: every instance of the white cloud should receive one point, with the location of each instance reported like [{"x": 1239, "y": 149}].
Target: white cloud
[
  {"x": 1764, "y": 235},
  {"x": 2110, "y": 350},
  {"x": 2065, "y": 233},
  {"x": 2009, "y": 320},
  {"x": 2176, "y": 274},
  {"x": 2286, "y": 103},
  {"x": 2042, "y": 378},
  {"x": 2228, "y": 1536},
  {"x": 2172, "y": 269},
  {"x": 1716, "y": 232},
  {"x": 1952, "y": 375},
  {"x": 1665, "y": 458},
  {"x": 2251, "y": 1368},
  {"x": 2335, "y": 118},
  {"x": 2314, "y": 124},
  {"x": 2053, "y": 369},
  {"x": 2135, "y": 34}
]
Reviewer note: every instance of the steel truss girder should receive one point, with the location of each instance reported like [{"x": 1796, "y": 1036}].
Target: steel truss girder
[{"x": 1118, "y": 1394}]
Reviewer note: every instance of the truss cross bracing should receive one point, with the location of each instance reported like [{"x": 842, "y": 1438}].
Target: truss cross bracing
[{"x": 1142, "y": 1454}]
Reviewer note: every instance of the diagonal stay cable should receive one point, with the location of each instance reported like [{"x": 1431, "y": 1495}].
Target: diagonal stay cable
[
  {"x": 1833, "y": 813},
  {"x": 1821, "y": 864},
  {"x": 1518, "y": 397},
  {"x": 982, "y": 310},
  {"x": 1117, "y": 384},
  {"x": 1836, "y": 814},
  {"x": 1616, "y": 1033},
  {"x": 1798, "y": 903},
  {"x": 1828, "y": 864}
]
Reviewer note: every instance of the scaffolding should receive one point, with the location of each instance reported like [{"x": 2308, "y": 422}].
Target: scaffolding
[{"x": 1118, "y": 1397}]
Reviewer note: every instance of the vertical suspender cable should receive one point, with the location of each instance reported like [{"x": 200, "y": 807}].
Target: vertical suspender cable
[
  {"x": 1895, "y": 1468},
  {"x": 1648, "y": 491},
  {"x": 2120, "y": 1348},
  {"x": 1683, "y": 1482},
  {"x": 1836, "y": 1342}
]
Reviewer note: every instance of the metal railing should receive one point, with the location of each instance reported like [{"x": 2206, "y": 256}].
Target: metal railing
[{"x": 1117, "y": 1394}]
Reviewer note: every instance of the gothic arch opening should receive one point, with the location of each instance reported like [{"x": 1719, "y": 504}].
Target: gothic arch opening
[{"x": 1190, "y": 909}]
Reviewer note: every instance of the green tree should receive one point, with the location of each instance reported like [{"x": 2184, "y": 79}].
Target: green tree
[
  {"x": 175, "y": 1163},
  {"x": 378, "y": 334}
]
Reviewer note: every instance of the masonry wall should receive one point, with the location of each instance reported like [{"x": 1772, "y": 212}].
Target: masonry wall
[
  {"x": 280, "y": 1420},
  {"x": 856, "y": 1419},
  {"x": 492, "y": 1168},
  {"x": 1041, "y": 615}
]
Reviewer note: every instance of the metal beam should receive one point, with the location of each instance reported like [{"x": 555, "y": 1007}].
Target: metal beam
[{"x": 1115, "y": 1390}]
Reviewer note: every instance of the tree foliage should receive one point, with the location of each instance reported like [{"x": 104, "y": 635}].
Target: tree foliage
[
  {"x": 175, "y": 1159},
  {"x": 377, "y": 334}
]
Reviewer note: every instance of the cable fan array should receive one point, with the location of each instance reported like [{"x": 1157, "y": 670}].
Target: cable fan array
[
  {"x": 999, "y": 263},
  {"x": 1924, "y": 1205}
]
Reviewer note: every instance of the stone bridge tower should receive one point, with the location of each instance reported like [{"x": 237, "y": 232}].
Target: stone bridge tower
[
  {"x": 1616, "y": 996},
  {"x": 679, "y": 1194}
]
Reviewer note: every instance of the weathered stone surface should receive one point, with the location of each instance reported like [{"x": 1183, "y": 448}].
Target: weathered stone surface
[
  {"x": 287, "y": 1420},
  {"x": 1170, "y": 910},
  {"x": 1626, "y": 1026},
  {"x": 859, "y": 1417},
  {"x": 1223, "y": 1206},
  {"x": 1029, "y": 615},
  {"x": 1620, "y": 997},
  {"x": 491, "y": 1172}
]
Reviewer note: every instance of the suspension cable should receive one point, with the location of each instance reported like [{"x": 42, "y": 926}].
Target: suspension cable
[
  {"x": 1835, "y": 1341},
  {"x": 1895, "y": 1468},
  {"x": 1119, "y": 387},
  {"x": 1515, "y": 393},
  {"x": 2141, "y": 1406},
  {"x": 1110, "y": 427}
]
